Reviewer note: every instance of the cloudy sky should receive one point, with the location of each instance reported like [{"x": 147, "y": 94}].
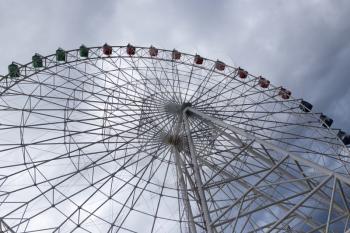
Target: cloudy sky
[{"x": 302, "y": 44}]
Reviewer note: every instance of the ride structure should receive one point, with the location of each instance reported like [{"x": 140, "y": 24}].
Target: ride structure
[{"x": 141, "y": 139}]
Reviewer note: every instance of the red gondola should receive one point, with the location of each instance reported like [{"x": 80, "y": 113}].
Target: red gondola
[
  {"x": 242, "y": 73},
  {"x": 284, "y": 93},
  {"x": 219, "y": 65},
  {"x": 176, "y": 54},
  {"x": 153, "y": 51},
  {"x": 198, "y": 60},
  {"x": 130, "y": 50},
  {"x": 263, "y": 82},
  {"x": 107, "y": 49}
]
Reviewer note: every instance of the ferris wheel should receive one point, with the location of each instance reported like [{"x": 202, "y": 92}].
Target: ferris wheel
[{"x": 140, "y": 139}]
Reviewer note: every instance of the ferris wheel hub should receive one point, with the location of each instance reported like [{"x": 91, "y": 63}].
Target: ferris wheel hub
[
  {"x": 178, "y": 141},
  {"x": 175, "y": 108}
]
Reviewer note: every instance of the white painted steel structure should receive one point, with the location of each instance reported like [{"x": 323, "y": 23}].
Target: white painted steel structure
[{"x": 155, "y": 141}]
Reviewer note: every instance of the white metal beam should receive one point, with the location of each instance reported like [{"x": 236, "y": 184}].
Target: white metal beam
[
  {"x": 197, "y": 176},
  {"x": 184, "y": 193},
  {"x": 4, "y": 227}
]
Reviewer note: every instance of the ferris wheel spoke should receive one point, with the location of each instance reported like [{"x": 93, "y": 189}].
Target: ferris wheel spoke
[
  {"x": 132, "y": 195},
  {"x": 108, "y": 177},
  {"x": 47, "y": 141},
  {"x": 91, "y": 213},
  {"x": 200, "y": 88},
  {"x": 177, "y": 86},
  {"x": 42, "y": 112},
  {"x": 161, "y": 82},
  {"x": 141, "y": 91},
  {"x": 211, "y": 99},
  {"x": 94, "y": 84},
  {"x": 160, "y": 196},
  {"x": 71, "y": 174},
  {"x": 127, "y": 77},
  {"x": 40, "y": 126},
  {"x": 158, "y": 83},
  {"x": 280, "y": 127},
  {"x": 230, "y": 102},
  {"x": 231, "y": 77},
  {"x": 107, "y": 199},
  {"x": 189, "y": 82},
  {"x": 281, "y": 132},
  {"x": 123, "y": 89},
  {"x": 158, "y": 63},
  {"x": 89, "y": 166},
  {"x": 64, "y": 155}
]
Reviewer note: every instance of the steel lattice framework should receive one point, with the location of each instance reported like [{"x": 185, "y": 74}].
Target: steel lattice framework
[{"x": 136, "y": 139}]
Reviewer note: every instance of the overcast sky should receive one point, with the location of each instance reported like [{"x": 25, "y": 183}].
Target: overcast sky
[{"x": 302, "y": 44}]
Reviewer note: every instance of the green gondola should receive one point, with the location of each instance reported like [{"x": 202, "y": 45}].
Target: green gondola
[
  {"x": 37, "y": 61},
  {"x": 83, "y": 51},
  {"x": 14, "y": 70},
  {"x": 60, "y": 55}
]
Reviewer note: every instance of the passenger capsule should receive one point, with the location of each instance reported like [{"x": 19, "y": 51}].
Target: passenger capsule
[
  {"x": 198, "y": 59},
  {"x": 107, "y": 49},
  {"x": 344, "y": 137},
  {"x": 60, "y": 55},
  {"x": 37, "y": 61},
  {"x": 130, "y": 50},
  {"x": 326, "y": 121},
  {"x": 153, "y": 51},
  {"x": 219, "y": 65},
  {"x": 284, "y": 93},
  {"x": 14, "y": 70},
  {"x": 263, "y": 82},
  {"x": 242, "y": 73},
  {"x": 305, "y": 106},
  {"x": 176, "y": 54},
  {"x": 83, "y": 51}
]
